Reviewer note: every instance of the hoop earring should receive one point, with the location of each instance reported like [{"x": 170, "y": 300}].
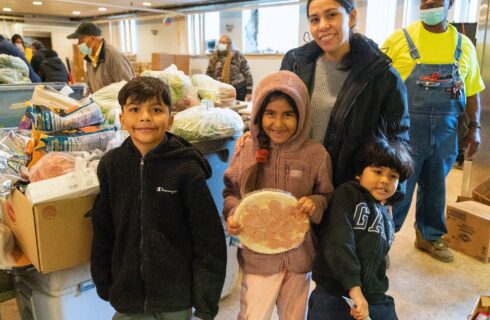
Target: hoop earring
[{"x": 305, "y": 35}]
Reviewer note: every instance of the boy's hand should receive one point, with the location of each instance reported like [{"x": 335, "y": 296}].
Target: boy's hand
[
  {"x": 233, "y": 227},
  {"x": 306, "y": 206},
  {"x": 361, "y": 311}
]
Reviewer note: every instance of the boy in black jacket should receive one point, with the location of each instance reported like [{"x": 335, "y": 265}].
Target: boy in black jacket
[
  {"x": 356, "y": 235},
  {"x": 159, "y": 246}
]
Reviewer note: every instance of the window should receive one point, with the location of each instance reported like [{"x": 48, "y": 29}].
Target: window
[
  {"x": 380, "y": 22},
  {"x": 211, "y": 30},
  {"x": 271, "y": 29},
  {"x": 128, "y": 37}
]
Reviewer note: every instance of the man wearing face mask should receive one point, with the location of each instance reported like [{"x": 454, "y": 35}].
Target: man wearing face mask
[
  {"x": 104, "y": 64},
  {"x": 441, "y": 72},
  {"x": 230, "y": 66},
  {"x": 10, "y": 49}
]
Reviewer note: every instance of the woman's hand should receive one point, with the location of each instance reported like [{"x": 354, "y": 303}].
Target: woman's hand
[
  {"x": 361, "y": 311},
  {"x": 233, "y": 227},
  {"x": 306, "y": 206}
]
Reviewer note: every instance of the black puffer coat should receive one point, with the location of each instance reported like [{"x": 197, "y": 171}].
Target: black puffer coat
[
  {"x": 52, "y": 68},
  {"x": 373, "y": 98}
]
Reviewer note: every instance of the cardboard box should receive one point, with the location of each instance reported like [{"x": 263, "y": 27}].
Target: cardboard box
[
  {"x": 481, "y": 193},
  {"x": 482, "y": 304},
  {"x": 54, "y": 235},
  {"x": 160, "y": 61},
  {"x": 468, "y": 225}
]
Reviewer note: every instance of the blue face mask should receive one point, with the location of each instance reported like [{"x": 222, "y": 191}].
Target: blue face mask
[
  {"x": 84, "y": 49},
  {"x": 433, "y": 16}
]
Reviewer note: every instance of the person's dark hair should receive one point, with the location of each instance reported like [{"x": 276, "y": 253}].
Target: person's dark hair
[
  {"x": 37, "y": 44},
  {"x": 15, "y": 37},
  {"x": 355, "y": 51},
  {"x": 143, "y": 89},
  {"x": 381, "y": 152},
  {"x": 255, "y": 174}
]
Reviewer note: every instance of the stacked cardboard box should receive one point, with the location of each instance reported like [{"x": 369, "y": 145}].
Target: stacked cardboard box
[
  {"x": 77, "y": 67},
  {"x": 139, "y": 67},
  {"x": 160, "y": 61}
]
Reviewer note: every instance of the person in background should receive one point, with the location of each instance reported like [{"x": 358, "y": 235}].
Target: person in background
[
  {"x": 279, "y": 155},
  {"x": 228, "y": 65},
  {"x": 354, "y": 91},
  {"x": 357, "y": 233},
  {"x": 37, "y": 54},
  {"x": 19, "y": 43},
  {"x": 8, "y": 48},
  {"x": 159, "y": 246},
  {"x": 52, "y": 69},
  {"x": 104, "y": 64},
  {"x": 441, "y": 72}
]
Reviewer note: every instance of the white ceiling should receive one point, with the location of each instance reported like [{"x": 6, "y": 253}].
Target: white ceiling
[{"x": 90, "y": 8}]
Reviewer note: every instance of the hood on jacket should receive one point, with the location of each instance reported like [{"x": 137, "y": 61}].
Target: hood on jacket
[
  {"x": 293, "y": 86},
  {"x": 175, "y": 147}
]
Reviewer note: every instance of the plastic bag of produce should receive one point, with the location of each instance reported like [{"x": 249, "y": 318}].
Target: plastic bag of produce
[
  {"x": 106, "y": 98},
  {"x": 13, "y": 158},
  {"x": 44, "y": 119},
  {"x": 222, "y": 94},
  {"x": 13, "y": 70},
  {"x": 184, "y": 94},
  {"x": 206, "y": 122}
]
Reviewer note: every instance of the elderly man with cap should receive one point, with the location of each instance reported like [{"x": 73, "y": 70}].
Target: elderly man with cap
[{"x": 105, "y": 65}]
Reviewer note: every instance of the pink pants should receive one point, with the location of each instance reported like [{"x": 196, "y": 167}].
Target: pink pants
[{"x": 260, "y": 294}]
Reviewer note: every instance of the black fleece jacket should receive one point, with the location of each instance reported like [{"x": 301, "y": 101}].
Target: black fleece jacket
[
  {"x": 356, "y": 234},
  {"x": 159, "y": 244},
  {"x": 373, "y": 99}
]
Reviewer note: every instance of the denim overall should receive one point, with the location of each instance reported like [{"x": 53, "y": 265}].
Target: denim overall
[{"x": 436, "y": 100}]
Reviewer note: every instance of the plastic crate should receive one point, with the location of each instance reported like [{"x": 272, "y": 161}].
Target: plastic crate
[
  {"x": 63, "y": 295},
  {"x": 10, "y": 115}
]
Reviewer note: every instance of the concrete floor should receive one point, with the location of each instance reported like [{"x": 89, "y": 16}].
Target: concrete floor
[{"x": 423, "y": 288}]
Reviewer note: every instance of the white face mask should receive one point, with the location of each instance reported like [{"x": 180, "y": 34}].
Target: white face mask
[
  {"x": 20, "y": 46},
  {"x": 84, "y": 49},
  {"x": 222, "y": 47}
]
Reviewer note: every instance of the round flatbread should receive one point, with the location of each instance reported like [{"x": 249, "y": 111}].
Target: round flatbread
[{"x": 270, "y": 222}]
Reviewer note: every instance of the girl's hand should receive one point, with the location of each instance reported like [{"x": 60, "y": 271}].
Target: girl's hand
[
  {"x": 306, "y": 206},
  {"x": 233, "y": 227},
  {"x": 240, "y": 143},
  {"x": 361, "y": 311}
]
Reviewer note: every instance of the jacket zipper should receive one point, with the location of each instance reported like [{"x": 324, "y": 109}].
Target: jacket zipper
[
  {"x": 276, "y": 166},
  {"x": 142, "y": 166},
  {"x": 374, "y": 256}
]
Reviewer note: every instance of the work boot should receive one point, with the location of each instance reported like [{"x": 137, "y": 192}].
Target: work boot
[{"x": 437, "y": 249}]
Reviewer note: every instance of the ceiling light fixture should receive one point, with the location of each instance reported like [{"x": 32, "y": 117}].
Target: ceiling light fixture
[
  {"x": 7, "y": 9},
  {"x": 37, "y": 3},
  {"x": 102, "y": 9},
  {"x": 76, "y": 12},
  {"x": 147, "y": 4}
]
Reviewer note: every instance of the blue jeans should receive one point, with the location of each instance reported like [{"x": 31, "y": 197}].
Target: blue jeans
[
  {"x": 325, "y": 306},
  {"x": 434, "y": 145}
]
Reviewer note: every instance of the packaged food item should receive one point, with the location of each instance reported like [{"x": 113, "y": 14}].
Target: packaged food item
[
  {"x": 45, "y": 119},
  {"x": 51, "y": 98},
  {"x": 53, "y": 164},
  {"x": 13, "y": 158},
  {"x": 482, "y": 316},
  {"x": 81, "y": 139},
  {"x": 222, "y": 94},
  {"x": 270, "y": 221}
]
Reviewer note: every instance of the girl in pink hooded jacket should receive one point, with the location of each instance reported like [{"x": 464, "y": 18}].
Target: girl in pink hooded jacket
[{"x": 280, "y": 155}]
